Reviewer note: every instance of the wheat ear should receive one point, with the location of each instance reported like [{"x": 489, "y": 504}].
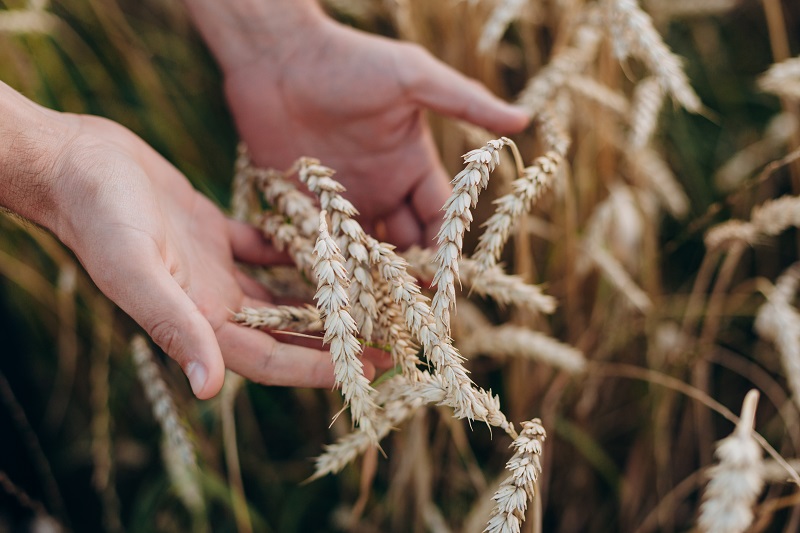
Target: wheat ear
[
  {"x": 535, "y": 180},
  {"x": 511, "y": 498},
  {"x": 736, "y": 481},
  {"x": 178, "y": 451},
  {"x": 340, "y": 330},
  {"x": 633, "y": 34},
  {"x": 782, "y": 78},
  {"x": 282, "y": 317},
  {"x": 467, "y": 185}
]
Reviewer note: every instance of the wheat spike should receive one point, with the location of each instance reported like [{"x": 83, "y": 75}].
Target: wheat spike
[
  {"x": 282, "y": 317},
  {"x": 511, "y": 498},
  {"x": 736, "y": 481},
  {"x": 340, "y": 330}
]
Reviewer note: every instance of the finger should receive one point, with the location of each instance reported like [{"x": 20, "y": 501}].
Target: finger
[
  {"x": 403, "y": 227},
  {"x": 152, "y": 297},
  {"x": 443, "y": 89},
  {"x": 259, "y": 357},
  {"x": 250, "y": 246},
  {"x": 378, "y": 357}
]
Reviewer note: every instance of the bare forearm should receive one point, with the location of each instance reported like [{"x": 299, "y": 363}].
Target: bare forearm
[{"x": 241, "y": 31}]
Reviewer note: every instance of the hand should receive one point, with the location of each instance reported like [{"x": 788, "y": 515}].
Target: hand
[
  {"x": 165, "y": 254},
  {"x": 355, "y": 101}
]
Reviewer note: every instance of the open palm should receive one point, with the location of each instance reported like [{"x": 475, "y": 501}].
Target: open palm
[{"x": 355, "y": 101}]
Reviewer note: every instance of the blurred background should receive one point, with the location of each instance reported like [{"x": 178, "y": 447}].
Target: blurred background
[{"x": 80, "y": 450}]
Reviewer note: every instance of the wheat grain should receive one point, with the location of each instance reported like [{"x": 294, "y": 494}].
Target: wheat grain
[
  {"x": 542, "y": 88},
  {"x": 648, "y": 99},
  {"x": 504, "y": 288},
  {"x": 282, "y": 317},
  {"x": 535, "y": 180},
  {"x": 593, "y": 90},
  {"x": 515, "y": 341},
  {"x": 768, "y": 219},
  {"x": 632, "y": 33},
  {"x": 511, "y": 498},
  {"x": 319, "y": 180},
  {"x": 504, "y": 13},
  {"x": 340, "y": 330},
  {"x": 779, "y": 322},
  {"x": 653, "y": 172},
  {"x": 736, "y": 480},
  {"x": 457, "y": 218},
  {"x": 782, "y": 78}
]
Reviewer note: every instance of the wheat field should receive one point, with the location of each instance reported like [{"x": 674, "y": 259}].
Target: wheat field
[{"x": 604, "y": 337}]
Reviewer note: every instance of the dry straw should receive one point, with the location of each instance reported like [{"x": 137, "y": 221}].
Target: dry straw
[{"x": 736, "y": 480}]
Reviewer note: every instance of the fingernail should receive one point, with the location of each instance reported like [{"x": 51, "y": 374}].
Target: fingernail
[{"x": 197, "y": 374}]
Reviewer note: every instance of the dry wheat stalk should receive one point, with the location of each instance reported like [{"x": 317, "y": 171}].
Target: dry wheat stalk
[
  {"x": 736, "y": 480},
  {"x": 535, "y": 180},
  {"x": 618, "y": 276},
  {"x": 515, "y": 491},
  {"x": 179, "y": 455},
  {"x": 282, "y": 317},
  {"x": 651, "y": 170},
  {"x": 504, "y": 13},
  {"x": 648, "y": 99},
  {"x": 672, "y": 9},
  {"x": 467, "y": 185},
  {"x": 600, "y": 93},
  {"x": 542, "y": 89},
  {"x": 632, "y": 33},
  {"x": 769, "y": 147},
  {"x": 504, "y": 288},
  {"x": 782, "y": 78},
  {"x": 22, "y": 21},
  {"x": 779, "y": 322},
  {"x": 768, "y": 219},
  {"x": 515, "y": 341},
  {"x": 340, "y": 331}
]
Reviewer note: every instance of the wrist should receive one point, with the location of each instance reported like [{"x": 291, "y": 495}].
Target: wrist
[
  {"x": 240, "y": 32},
  {"x": 32, "y": 140}
]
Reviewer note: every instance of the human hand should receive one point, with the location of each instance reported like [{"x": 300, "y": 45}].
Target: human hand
[
  {"x": 164, "y": 253},
  {"x": 355, "y": 102}
]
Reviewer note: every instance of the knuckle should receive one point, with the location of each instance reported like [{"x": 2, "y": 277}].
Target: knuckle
[{"x": 167, "y": 334}]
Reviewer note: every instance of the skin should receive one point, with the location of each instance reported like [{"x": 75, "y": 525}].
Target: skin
[{"x": 297, "y": 84}]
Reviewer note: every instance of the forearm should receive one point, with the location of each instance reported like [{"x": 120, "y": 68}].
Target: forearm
[
  {"x": 31, "y": 139},
  {"x": 240, "y": 31}
]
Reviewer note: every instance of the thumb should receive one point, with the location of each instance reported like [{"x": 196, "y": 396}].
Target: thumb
[
  {"x": 152, "y": 297},
  {"x": 440, "y": 88}
]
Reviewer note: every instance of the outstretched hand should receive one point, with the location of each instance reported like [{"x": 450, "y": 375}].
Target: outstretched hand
[
  {"x": 165, "y": 254},
  {"x": 355, "y": 101}
]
